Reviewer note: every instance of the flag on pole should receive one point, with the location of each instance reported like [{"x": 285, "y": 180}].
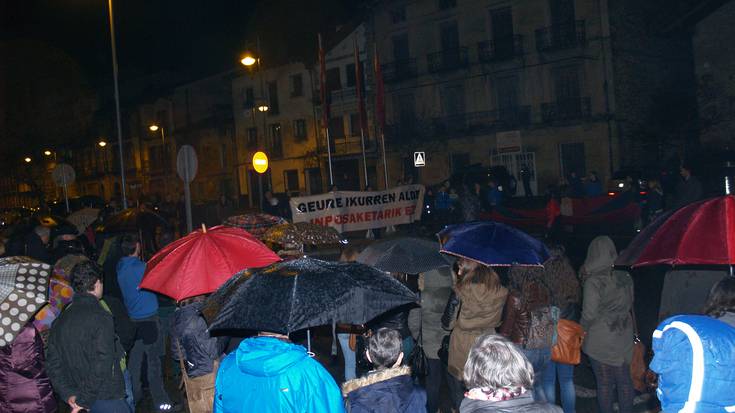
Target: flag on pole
[
  {"x": 359, "y": 87},
  {"x": 379, "y": 91},
  {"x": 323, "y": 84}
]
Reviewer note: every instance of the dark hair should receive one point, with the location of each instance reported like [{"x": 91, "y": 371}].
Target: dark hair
[
  {"x": 128, "y": 244},
  {"x": 384, "y": 347},
  {"x": 84, "y": 275},
  {"x": 721, "y": 298}
]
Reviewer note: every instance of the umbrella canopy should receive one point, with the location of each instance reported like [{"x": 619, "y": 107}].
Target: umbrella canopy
[
  {"x": 294, "y": 295},
  {"x": 493, "y": 244},
  {"x": 302, "y": 233},
  {"x": 405, "y": 255},
  {"x": 23, "y": 290},
  {"x": 134, "y": 220},
  {"x": 83, "y": 218},
  {"x": 256, "y": 224},
  {"x": 702, "y": 233},
  {"x": 202, "y": 261}
]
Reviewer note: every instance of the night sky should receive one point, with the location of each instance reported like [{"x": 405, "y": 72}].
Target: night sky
[{"x": 195, "y": 37}]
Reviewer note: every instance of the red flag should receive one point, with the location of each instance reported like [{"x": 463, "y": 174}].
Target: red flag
[
  {"x": 323, "y": 84},
  {"x": 379, "y": 91},
  {"x": 359, "y": 89}
]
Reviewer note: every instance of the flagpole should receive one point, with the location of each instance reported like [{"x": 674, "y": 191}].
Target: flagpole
[
  {"x": 329, "y": 158},
  {"x": 385, "y": 159}
]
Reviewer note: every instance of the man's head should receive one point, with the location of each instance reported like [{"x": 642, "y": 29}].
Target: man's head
[
  {"x": 86, "y": 277},
  {"x": 43, "y": 232},
  {"x": 385, "y": 348},
  {"x": 130, "y": 246},
  {"x": 685, "y": 170}
]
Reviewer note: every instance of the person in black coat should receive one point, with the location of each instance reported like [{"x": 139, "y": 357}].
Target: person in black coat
[
  {"x": 36, "y": 243},
  {"x": 388, "y": 388}
]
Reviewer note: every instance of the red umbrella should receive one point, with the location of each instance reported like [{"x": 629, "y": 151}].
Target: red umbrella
[
  {"x": 702, "y": 233},
  {"x": 202, "y": 261}
]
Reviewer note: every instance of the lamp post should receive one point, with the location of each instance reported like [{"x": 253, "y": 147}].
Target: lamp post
[
  {"x": 103, "y": 146},
  {"x": 155, "y": 128},
  {"x": 117, "y": 104}
]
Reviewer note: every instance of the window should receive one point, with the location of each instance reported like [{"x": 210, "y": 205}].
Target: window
[
  {"x": 336, "y": 128},
  {"x": 400, "y": 47},
  {"x": 291, "y": 179},
  {"x": 566, "y": 83},
  {"x": 249, "y": 98},
  {"x": 297, "y": 85},
  {"x": 273, "y": 108},
  {"x": 333, "y": 80},
  {"x": 252, "y": 138},
  {"x": 453, "y": 100},
  {"x": 502, "y": 30},
  {"x": 299, "y": 129},
  {"x": 277, "y": 140},
  {"x": 447, "y": 4},
  {"x": 449, "y": 35},
  {"x": 398, "y": 15},
  {"x": 350, "y": 70},
  {"x": 355, "y": 124}
]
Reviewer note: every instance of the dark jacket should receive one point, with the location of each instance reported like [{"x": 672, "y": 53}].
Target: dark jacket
[
  {"x": 199, "y": 349},
  {"x": 521, "y": 404},
  {"x": 518, "y": 310},
  {"x": 386, "y": 391},
  {"x": 24, "y": 385},
  {"x": 35, "y": 248},
  {"x": 83, "y": 355}
]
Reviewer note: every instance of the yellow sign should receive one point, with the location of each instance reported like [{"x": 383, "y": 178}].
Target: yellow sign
[{"x": 260, "y": 162}]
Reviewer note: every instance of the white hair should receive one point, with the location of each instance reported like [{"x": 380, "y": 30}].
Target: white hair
[{"x": 494, "y": 363}]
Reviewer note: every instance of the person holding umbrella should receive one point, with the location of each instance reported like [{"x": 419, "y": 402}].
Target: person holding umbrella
[{"x": 479, "y": 299}]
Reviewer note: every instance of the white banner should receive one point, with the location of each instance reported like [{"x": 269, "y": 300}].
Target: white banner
[{"x": 356, "y": 211}]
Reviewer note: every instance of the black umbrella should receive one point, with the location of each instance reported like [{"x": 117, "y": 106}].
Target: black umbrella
[
  {"x": 134, "y": 220},
  {"x": 294, "y": 295},
  {"x": 404, "y": 255}
]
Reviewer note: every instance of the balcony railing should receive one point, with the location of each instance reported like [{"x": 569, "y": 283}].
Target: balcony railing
[
  {"x": 446, "y": 60},
  {"x": 471, "y": 123},
  {"x": 399, "y": 70},
  {"x": 349, "y": 93},
  {"x": 561, "y": 36},
  {"x": 566, "y": 109},
  {"x": 500, "y": 49},
  {"x": 347, "y": 146}
]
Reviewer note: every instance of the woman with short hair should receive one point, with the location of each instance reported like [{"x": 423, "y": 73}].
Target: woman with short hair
[{"x": 500, "y": 379}]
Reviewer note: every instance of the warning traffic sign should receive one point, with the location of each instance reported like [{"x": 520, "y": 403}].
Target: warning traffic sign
[{"x": 419, "y": 159}]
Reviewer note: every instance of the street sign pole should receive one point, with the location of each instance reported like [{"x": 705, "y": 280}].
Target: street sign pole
[
  {"x": 186, "y": 167},
  {"x": 66, "y": 193}
]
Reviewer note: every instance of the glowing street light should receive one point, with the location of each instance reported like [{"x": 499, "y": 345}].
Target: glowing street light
[
  {"x": 27, "y": 159},
  {"x": 263, "y": 107},
  {"x": 47, "y": 152},
  {"x": 153, "y": 128},
  {"x": 248, "y": 60},
  {"x": 102, "y": 143}
]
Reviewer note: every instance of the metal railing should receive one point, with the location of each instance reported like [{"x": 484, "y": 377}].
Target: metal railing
[
  {"x": 561, "y": 36},
  {"x": 566, "y": 109},
  {"x": 497, "y": 50},
  {"x": 446, "y": 60},
  {"x": 399, "y": 70}
]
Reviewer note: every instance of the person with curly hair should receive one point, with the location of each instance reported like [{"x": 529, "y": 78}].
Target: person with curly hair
[{"x": 721, "y": 301}]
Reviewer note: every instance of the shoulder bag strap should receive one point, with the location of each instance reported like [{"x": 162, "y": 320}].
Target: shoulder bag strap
[{"x": 184, "y": 375}]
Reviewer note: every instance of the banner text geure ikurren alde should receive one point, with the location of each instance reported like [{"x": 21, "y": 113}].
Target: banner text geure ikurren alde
[{"x": 355, "y": 211}]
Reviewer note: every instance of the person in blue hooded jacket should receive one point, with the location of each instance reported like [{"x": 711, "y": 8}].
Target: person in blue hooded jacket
[
  {"x": 270, "y": 374},
  {"x": 695, "y": 362}
]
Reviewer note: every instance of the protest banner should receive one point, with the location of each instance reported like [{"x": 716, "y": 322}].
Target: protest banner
[{"x": 357, "y": 211}]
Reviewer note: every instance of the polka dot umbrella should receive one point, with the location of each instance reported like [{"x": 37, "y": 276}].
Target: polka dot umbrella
[{"x": 24, "y": 287}]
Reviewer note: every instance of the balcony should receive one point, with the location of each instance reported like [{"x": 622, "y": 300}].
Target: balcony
[
  {"x": 500, "y": 49},
  {"x": 566, "y": 109},
  {"x": 473, "y": 123},
  {"x": 345, "y": 94},
  {"x": 348, "y": 146},
  {"x": 399, "y": 70},
  {"x": 561, "y": 36},
  {"x": 446, "y": 60}
]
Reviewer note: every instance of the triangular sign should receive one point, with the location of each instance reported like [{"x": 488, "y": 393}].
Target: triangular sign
[{"x": 419, "y": 159}]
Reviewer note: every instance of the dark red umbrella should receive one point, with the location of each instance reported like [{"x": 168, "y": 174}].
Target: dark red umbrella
[
  {"x": 202, "y": 261},
  {"x": 702, "y": 233}
]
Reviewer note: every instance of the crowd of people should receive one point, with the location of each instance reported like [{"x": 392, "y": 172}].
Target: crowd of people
[{"x": 487, "y": 334}]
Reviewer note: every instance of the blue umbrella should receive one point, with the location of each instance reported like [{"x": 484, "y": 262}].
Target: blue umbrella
[{"x": 493, "y": 244}]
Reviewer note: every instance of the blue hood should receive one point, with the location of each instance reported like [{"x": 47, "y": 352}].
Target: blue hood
[
  {"x": 267, "y": 356},
  {"x": 695, "y": 361}
]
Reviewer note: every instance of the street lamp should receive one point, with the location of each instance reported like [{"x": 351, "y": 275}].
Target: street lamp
[
  {"x": 102, "y": 143},
  {"x": 263, "y": 106},
  {"x": 27, "y": 159},
  {"x": 117, "y": 102},
  {"x": 154, "y": 128},
  {"x": 47, "y": 152},
  {"x": 248, "y": 60}
]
